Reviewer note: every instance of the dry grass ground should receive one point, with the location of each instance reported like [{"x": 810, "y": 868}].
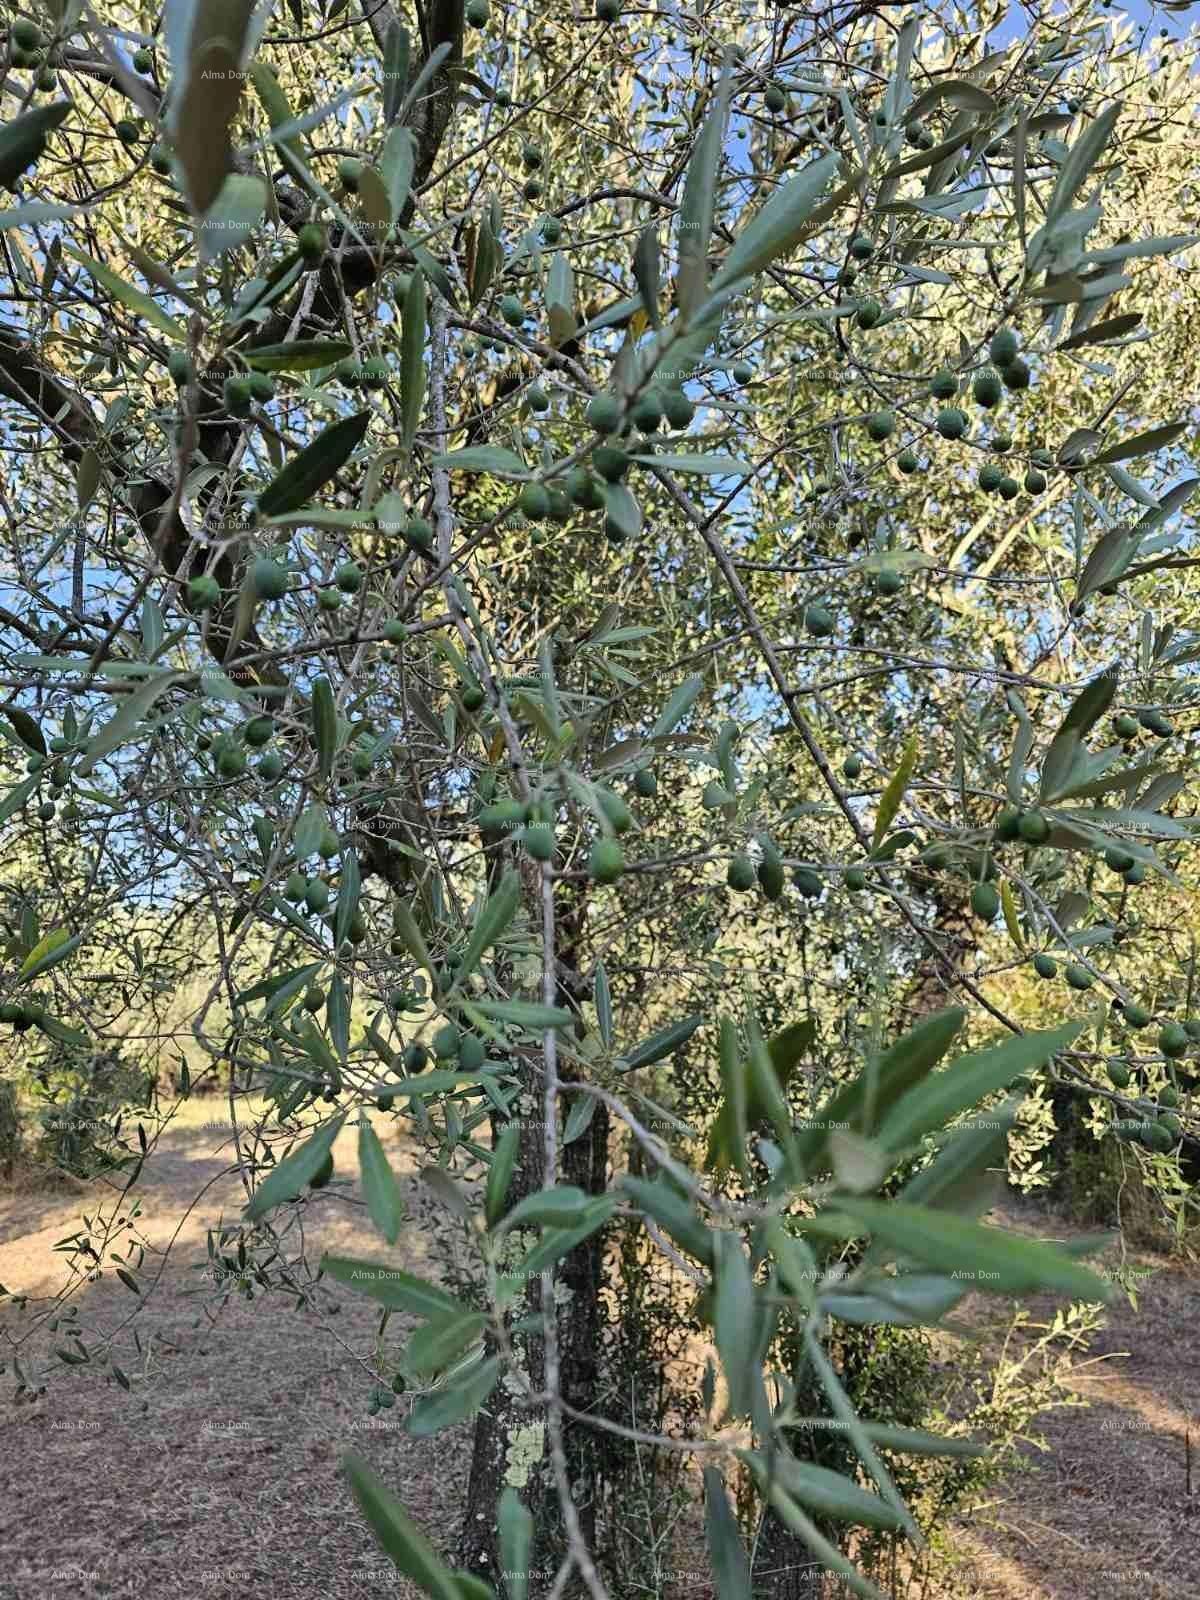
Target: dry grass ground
[
  {"x": 1109, "y": 1510},
  {"x": 219, "y": 1472}
]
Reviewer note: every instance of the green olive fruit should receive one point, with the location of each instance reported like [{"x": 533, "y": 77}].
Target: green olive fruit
[
  {"x": 538, "y": 839},
  {"x": 907, "y": 461},
  {"x": 861, "y": 247},
  {"x": 1045, "y": 966},
  {"x": 770, "y": 875},
  {"x": 855, "y": 879},
  {"x": 237, "y": 395},
  {"x": 819, "y": 621},
  {"x": 1078, "y": 976},
  {"x": 610, "y": 462},
  {"x": 616, "y": 813},
  {"x": 25, "y": 34},
  {"x": 944, "y": 384},
  {"x": 203, "y": 592},
  {"x": 741, "y": 875},
  {"x": 259, "y": 731},
  {"x": 472, "y": 1052},
  {"x": 1135, "y": 874},
  {"x": 678, "y": 409},
  {"x": 1004, "y": 347},
  {"x": 852, "y": 767},
  {"x": 951, "y": 422},
  {"x": 1136, "y": 1016},
  {"x": 349, "y": 173},
  {"x": 1125, "y": 726},
  {"x": 268, "y": 580},
  {"x": 604, "y": 413},
  {"x": 1118, "y": 1073},
  {"x": 1015, "y": 375},
  {"x": 419, "y": 533},
  {"x": 179, "y": 365},
  {"x": 329, "y": 599},
  {"x": 868, "y": 313},
  {"x": 551, "y": 230},
  {"x": 889, "y": 581},
  {"x": 606, "y": 862},
  {"x": 316, "y": 894},
  {"x": 537, "y": 399},
  {"x": 473, "y": 697},
  {"x": 1007, "y": 825},
  {"x": 512, "y": 310},
  {"x": 128, "y": 131},
  {"x": 584, "y": 490},
  {"x": 987, "y": 388},
  {"x": 349, "y": 577},
  {"x": 310, "y": 241},
  {"x": 1173, "y": 1040},
  {"x": 415, "y": 1058},
  {"x": 810, "y": 884},
  {"x": 1033, "y": 827},
  {"x": 445, "y": 1042},
  {"x": 1117, "y": 860},
  {"x": 985, "y": 901},
  {"x": 374, "y": 373},
  {"x": 647, "y": 413},
  {"x": 645, "y": 784},
  {"x": 270, "y": 768},
  {"x": 1008, "y": 488},
  {"x": 881, "y": 425}
]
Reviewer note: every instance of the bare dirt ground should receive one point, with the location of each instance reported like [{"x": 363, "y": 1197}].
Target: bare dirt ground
[
  {"x": 1110, "y": 1510},
  {"x": 219, "y": 1472}
]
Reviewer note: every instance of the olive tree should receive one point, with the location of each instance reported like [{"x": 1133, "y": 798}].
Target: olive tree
[{"x": 473, "y": 541}]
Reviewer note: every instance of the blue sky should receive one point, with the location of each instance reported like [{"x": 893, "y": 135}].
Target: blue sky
[{"x": 1141, "y": 12}]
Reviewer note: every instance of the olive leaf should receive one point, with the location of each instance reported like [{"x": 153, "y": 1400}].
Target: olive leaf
[{"x": 314, "y": 466}]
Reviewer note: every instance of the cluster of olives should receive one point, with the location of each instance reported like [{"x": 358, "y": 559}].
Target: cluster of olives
[
  {"x": 58, "y": 774},
  {"x": 27, "y": 52},
  {"x": 534, "y": 828},
  {"x": 21, "y": 1015},
  {"x": 1008, "y": 371},
  {"x": 1128, "y": 727}
]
